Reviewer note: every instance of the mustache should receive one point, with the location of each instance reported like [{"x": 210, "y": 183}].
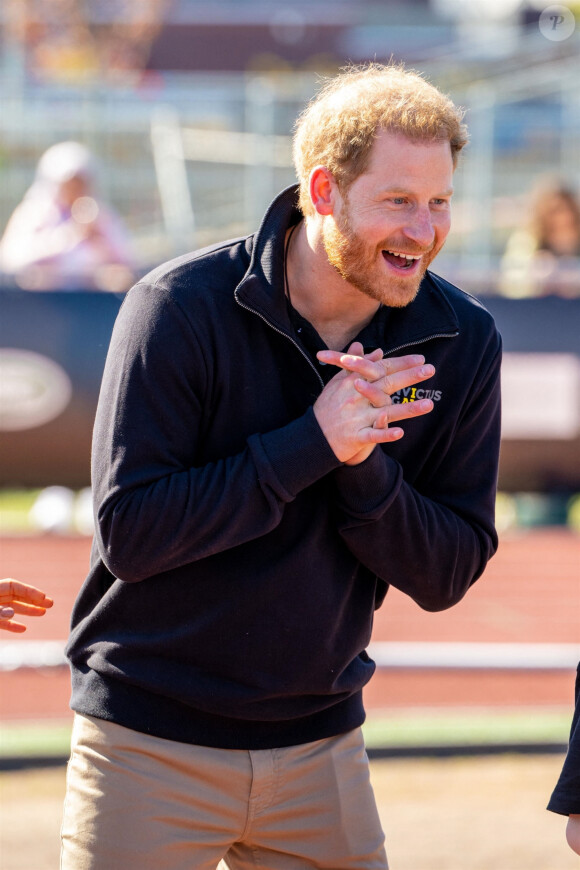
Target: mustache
[{"x": 405, "y": 248}]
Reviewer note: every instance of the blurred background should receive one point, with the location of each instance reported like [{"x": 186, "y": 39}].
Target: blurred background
[
  {"x": 135, "y": 130},
  {"x": 182, "y": 113}
]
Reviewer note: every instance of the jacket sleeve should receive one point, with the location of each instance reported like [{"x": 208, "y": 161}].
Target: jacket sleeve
[
  {"x": 433, "y": 539},
  {"x": 155, "y": 508},
  {"x": 565, "y": 798}
]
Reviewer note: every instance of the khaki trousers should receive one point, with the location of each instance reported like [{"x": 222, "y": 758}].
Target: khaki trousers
[{"x": 137, "y": 801}]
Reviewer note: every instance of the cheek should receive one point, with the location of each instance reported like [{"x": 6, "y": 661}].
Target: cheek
[
  {"x": 373, "y": 223},
  {"x": 442, "y": 226}
]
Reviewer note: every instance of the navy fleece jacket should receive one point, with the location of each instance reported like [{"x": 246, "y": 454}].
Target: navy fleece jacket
[{"x": 237, "y": 564}]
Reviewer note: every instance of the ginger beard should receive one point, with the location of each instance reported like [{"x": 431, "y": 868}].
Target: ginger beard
[{"x": 361, "y": 263}]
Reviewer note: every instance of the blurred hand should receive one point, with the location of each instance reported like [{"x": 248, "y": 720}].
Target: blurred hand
[{"x": 23, "y": 599}]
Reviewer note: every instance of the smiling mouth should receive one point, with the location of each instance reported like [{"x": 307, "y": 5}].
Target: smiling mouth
[{"x": 401, "y": 261}]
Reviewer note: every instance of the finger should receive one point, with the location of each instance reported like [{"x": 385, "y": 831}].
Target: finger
[
  {"x": 356, "y": 349},
  {"x": 406, "y": 377},
  {"x": 28, "y": 609},
  {"x": 372, "y": 366},
  {"x": 376, "y": 396},
  {"x": 390, "y": 383},
  {"x": 400, "y": 363},
  {"x": 15, "y": 627},
  {"x": 13, "y": 590},
  {"x": 380, "y": 435},
  {"x": 374, "y": 357},
  {"x": 368, "y": 367},
  {"x": 394, "y": 413}
]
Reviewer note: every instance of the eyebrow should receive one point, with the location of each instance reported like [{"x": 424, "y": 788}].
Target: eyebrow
[{"x": 403, "y": 191}]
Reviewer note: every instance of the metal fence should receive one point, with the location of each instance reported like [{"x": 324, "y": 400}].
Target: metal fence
[{"x": 192, "y": 159}]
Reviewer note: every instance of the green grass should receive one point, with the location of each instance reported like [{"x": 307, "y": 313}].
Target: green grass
[
  {"x": 470, "y": 727},
  {"x": 25, "y": 739},
  {"x": 427, "y": 727},
  {"x": 15, "y": 507}
]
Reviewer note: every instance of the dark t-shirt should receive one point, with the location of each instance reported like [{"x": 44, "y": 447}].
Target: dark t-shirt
[{"x": 566, "y": 796}]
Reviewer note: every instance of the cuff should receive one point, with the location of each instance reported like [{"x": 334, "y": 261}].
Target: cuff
[
  {"x": 298, "y": 454},
  {"x": 369, "y": 488}
]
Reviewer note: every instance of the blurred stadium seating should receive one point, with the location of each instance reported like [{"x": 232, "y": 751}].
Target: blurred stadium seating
[{"x": 195, "y": 72}]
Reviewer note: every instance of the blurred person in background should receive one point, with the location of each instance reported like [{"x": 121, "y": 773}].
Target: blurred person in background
[
  {"x": 255, "y": 496},
  {"x": 565, "y": 798},
  {"x": 61, "y": 236},
  {"x": 544, "y": 256},
  {"x": 23, "y": 599}
]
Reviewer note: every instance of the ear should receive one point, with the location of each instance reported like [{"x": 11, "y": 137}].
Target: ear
[{"x": 323, "y": 190}]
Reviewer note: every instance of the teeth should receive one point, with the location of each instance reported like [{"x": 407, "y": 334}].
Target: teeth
[{"x": 404, "y": 256}]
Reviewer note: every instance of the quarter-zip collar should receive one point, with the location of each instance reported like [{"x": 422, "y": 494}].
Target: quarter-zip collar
[
  {"x": 261, "y": 290},
  {"x": 262, "y": 287}
]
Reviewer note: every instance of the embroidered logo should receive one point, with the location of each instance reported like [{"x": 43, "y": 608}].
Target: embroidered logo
[{"x": 414, "y": 394}]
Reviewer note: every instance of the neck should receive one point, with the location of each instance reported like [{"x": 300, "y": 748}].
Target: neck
[{"x": 336, "y": 309}]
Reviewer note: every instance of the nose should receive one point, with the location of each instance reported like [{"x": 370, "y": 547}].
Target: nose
[{"x": 420, "y": 228}]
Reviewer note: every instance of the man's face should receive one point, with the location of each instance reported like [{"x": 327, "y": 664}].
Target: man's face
[{"x": 399, "y": 206}]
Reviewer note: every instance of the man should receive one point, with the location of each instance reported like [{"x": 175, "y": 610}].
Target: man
[{"x": 254, "y": 502}]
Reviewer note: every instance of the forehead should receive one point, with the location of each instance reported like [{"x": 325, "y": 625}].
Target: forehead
[{"x": 398, "y": 161}]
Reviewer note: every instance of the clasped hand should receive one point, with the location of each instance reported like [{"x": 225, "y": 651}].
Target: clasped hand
[{"x": 355, "y": 409}]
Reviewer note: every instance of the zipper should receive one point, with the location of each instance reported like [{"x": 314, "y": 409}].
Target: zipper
[
  {"x": 309, "y": 361},
  {"x": 422, "y": 341},
  {"x": 285, "y": 334}
]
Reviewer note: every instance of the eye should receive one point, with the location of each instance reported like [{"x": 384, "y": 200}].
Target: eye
[{"x": 398, "y": 200}]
